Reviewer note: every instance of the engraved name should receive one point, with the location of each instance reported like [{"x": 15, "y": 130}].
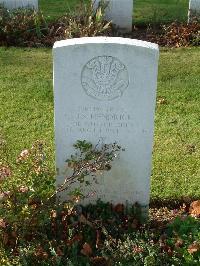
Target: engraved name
[{"x": 98, "y": 120}]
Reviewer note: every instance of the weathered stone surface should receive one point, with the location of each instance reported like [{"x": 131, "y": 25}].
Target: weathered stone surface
[
  {"x": 12, "y": 4},
  {"x": 194, "y": 10},
  {"x": 105, "y": 90},
  {"x": 120, "y": 12}
]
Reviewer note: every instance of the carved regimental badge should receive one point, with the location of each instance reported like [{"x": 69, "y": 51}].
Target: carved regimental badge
[{"x": 104, "y": 78}]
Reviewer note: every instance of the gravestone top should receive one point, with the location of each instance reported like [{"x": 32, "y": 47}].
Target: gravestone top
[
  {"x": 105, "y": 90},
  {"x": 105, "y": 40}
]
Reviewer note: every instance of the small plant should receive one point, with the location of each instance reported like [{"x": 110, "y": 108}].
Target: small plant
[
  {"x": 29, "y": 212},
  {"x": 89, "y": 161},
  {"x": 85, "y": 22},
  {"x": 21, "y": 26},
  {"x": 35, "y": 229},
  {"x": 26, "y": 27}
]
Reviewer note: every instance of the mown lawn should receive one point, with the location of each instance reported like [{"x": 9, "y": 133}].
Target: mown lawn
[
  {"x": 26, "y": 113},
  {"x": 145, "y": 11},
  {"x": 53, "y": 9},
  {"x": 160, "y": 11}
]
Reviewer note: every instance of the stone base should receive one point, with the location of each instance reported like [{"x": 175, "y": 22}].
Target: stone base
[{"x": 193, "y": 16}]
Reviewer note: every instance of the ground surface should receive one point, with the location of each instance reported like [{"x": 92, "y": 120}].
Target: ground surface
[{"x": 26, "y": 114}]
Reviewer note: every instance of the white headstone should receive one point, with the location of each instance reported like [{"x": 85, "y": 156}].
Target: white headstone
[
  {"x": 12, "y": 4},
  {"x": 119, "y": 11},
  {"x": 105, "y": 90},
  {"x": 194, "y": 10}
]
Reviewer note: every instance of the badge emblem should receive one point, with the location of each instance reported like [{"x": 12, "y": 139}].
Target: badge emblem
[{"x": 104, "y": 78}]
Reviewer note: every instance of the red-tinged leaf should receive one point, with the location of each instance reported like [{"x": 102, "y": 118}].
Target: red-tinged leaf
[
  {"x": 53, "y": 214},
  {"x": 14, "y": 234},
  {"x": 86, "y": 250},
  {"x": 2, "y": 223},
  {"x": 119, "y": 208},
  {"x": 83, "y": 220},
  {"x": 179, "y": 243},
  {"x": 5, "y": 238},
  {"x": 99, "y": 261},
  {"x": 195, "y": 208},
  {"x": 76, "y": 238},
  {"x": 59, "y": 252},
  {"x": 137, "y": 249},
  {"x": 194, "y": 247},
  {"x": 98, "y": 238},
  {"x": 40, "y": 253},
  {"x": 135, "y": 224}
]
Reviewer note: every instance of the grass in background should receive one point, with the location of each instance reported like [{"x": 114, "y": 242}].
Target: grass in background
[
  {"x": 26, "y": 113},
  {"x": 53, "y": 9},
  {"x": 145, "y": 11},
  {"x": 160, "y": 11}
]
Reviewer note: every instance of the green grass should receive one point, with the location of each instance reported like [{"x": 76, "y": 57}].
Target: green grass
[
  {"x": 26, "y": 93},
  {"x": 56, "y": 8},
  {"x": 145, "y": 11},
  {"x": 176, "y": 169},
  {"x": 160, "y": 11},
  {"x": 26, "y": 113}
]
